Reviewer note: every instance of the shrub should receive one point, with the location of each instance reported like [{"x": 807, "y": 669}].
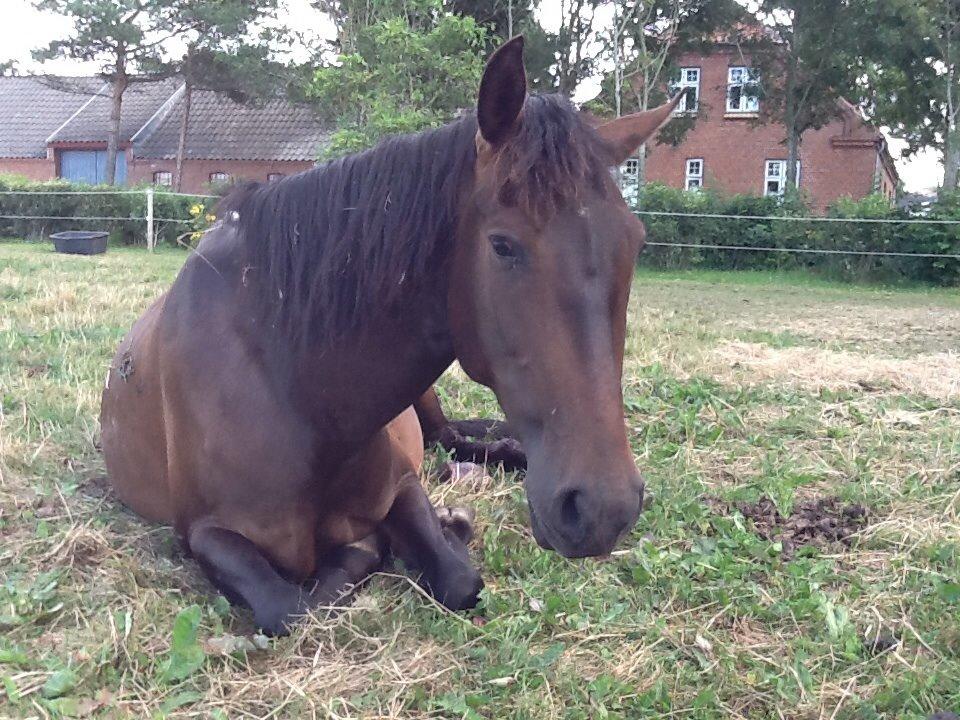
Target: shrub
[
  {"x": 883, "y": 237},
  {"x": 43, "y": 200}
]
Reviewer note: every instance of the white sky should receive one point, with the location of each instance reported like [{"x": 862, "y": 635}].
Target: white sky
[{"x": 24, "y": 29}]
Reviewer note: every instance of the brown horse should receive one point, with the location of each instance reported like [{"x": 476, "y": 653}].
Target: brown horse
[{"x": 263, "y": 405}]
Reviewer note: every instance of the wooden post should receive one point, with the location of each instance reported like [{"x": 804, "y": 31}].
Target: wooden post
[{"x": 150, "y": 239}]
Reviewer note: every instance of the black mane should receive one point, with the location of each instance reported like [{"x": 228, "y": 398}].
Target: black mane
[{"x": 331, "y": 244}]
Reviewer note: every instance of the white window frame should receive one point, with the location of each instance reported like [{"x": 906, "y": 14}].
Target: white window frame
[
  {"x": 739, "y": 76},
  {"x": 689, "y": 78},
  {"x": 694, "y": 174},
  {"x": 778, "y": 176},
  {"x": 163, "y": 178},
  {"x": 275, "y": 177},
  {"x": 219, "y": 177},
  {"x": 631, "y": 168}
]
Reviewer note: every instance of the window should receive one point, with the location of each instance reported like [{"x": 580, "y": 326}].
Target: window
[
  {"x": 775, "y": 177},
  {"x": 219, "y": 177},
  {"x": 274, "y": 177},
  {"x": 689, "y": 78},
  {"x": 694, "y": 180},
  {"x": 631, "y": 168},
  {"x": 742, "y": 89},
  {"x": 163, "y": 178}
]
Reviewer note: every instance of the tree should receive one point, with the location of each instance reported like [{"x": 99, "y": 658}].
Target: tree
[
  {"x": 910, "y": 76},
  {"x": 503, "y": 19},
  {"x": 123, "y": 36},
  {"x": 805, "y": 57},
  {"x": 411, "y": 65},
  {"x": 224, "y": 54},
  {"x": 642, "y": 42}
]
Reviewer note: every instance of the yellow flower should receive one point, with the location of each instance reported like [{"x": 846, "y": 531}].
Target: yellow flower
[
  {"x": 196, "y": 209},
  {"x": 211, "y": 217}
]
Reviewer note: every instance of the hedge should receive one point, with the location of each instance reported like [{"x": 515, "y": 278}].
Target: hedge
[
  {"x": 45, "y": 199},
  {"x": 940, "y": 239}
]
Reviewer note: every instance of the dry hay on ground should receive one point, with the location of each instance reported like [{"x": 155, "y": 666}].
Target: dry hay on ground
[{"x": 936, "y": 375}]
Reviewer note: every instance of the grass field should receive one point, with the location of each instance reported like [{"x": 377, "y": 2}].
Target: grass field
[{"x": 799, "y": 557}]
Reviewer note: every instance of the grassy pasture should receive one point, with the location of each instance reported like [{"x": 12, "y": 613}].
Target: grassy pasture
[{"x": 762, "y": 408}]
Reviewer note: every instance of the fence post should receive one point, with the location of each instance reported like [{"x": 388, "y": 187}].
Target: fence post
[{"x": 150, "y": 239}]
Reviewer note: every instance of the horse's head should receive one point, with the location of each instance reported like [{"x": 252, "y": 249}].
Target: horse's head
[{"x": 539, "y": 286}]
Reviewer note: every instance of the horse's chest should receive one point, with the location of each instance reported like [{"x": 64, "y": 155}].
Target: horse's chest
[{"x": 354, "y": 519}]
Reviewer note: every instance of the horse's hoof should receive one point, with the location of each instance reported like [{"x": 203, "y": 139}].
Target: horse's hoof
[
  {"x": 459, "y": 520},
  {"x": 463, "y": 591},
  {"x": 276, "y": 619},
  {"x": 273, "y": 625}
]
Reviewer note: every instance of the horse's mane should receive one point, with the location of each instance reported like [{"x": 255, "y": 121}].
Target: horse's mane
[{"x": 333, "y": 243}]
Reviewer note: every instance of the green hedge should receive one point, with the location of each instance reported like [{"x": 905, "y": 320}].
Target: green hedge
[
  {"x": 44, "y": 199},
  {"x": 944, "y": 239}
]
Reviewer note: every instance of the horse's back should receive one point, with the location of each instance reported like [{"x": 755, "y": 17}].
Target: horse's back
[{"x": 131, "y": 420}]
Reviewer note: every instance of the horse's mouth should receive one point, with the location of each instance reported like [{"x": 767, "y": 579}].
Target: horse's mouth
[
  {"x": 538, "y": 533},
  {"x": 543, "y": 533}
]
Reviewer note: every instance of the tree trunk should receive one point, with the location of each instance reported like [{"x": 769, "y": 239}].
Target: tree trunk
[
  {"x": 642, "y": 166},
  {"x": 184, "y": 127},
  {"x": 118, "y": 86},
  {"x": 951, "y": 138},
  {"x": 951, "y": 158},
  {"x": 793, "y": 156}
]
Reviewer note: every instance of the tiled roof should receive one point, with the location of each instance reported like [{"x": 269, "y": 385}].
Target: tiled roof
[
  {"x": 221, "y": 129},
  {"x": 33, "y": 107},
  {"x": 140, "y": 101}
]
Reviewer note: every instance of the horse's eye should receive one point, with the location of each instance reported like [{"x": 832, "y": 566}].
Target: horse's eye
[{"x": 504, "y": 246}]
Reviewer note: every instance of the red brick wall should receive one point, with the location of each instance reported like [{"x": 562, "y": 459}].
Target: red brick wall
[
  {"x": 32, "y": 168},
  {"x": 735, "y": 150},
  {"x": 196, "y": 173}
]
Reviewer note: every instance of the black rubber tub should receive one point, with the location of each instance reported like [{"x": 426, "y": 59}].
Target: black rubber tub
[{"x": 80, "y": 242}]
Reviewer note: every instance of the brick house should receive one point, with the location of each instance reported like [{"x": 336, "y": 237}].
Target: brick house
[
  {"x": 57, "y": 128},
  {"x": 729, "y": 151}
]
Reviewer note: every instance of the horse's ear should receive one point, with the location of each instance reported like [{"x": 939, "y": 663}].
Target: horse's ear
[
  {"x": 625, "y": 134},
  {"x": 502, "y": 92}
]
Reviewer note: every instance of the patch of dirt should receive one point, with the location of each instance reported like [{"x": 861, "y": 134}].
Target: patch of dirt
[
  {"x": 818, "y": 521},
  {"x": 935, "y": 375},
  {"x": 97, "y": 487}
]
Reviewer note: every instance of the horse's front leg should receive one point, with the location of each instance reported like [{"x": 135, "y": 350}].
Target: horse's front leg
[
  {"x": 418, "y": 537},
  {"x": 479, "y": 441},
  {"x": 240, "y": 570}
]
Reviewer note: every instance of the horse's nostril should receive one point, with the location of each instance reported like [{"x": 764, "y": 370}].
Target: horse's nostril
[{"x": 569, "y": 511}]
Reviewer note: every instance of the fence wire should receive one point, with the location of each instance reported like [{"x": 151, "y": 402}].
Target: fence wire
[
  {"x": 791, "y": 218},
  {"x": 650, "y": 213}
]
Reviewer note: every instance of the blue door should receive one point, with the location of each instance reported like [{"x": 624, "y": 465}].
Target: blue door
[{"x": 90, "y": 166}]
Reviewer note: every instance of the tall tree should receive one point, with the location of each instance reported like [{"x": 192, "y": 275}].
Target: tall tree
[
  {"x": 122, "y": 36},
  {"x": 224, "y": 53},
  {"x": 805, "y": 58},
  {"x": 575, "y": 59},
  {"x": 412, "y": 65},
  {"x": 503, "y": 19},
  {"x": 642, "y": 43},
  {"x": 910, "y": 76}
]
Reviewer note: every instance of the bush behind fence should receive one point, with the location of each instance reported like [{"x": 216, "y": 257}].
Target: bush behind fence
[
  {"x": 873, "y": 237},
  {"x": 44, "y": 200},
  {"x": 129, "y": 227}
]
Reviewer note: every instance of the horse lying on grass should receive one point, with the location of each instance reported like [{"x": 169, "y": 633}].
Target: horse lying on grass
[{"x": 263, "y": 405}]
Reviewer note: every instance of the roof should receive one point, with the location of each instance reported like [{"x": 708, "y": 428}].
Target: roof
[
  {"x": 31, "y": 108},
  {"x": 140, "y": 101},
  {"x": 221, "y": 129}
]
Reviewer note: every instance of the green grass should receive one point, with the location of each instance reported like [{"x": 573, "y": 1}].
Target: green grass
[{"x": 737, "y": 386}]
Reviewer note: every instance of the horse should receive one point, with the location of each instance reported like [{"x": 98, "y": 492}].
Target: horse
[{"x": 263, "y": 406}]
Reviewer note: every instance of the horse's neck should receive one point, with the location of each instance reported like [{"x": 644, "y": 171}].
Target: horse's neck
[{"x": 364, "y": 379}]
